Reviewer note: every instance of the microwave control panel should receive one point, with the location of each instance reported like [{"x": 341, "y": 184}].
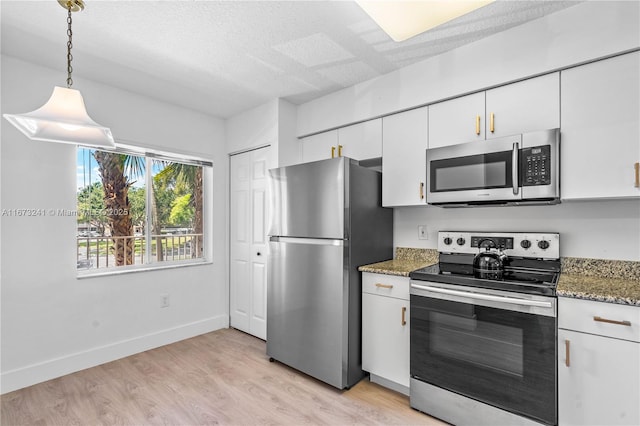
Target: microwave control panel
[{"x": 535, "y": 165}]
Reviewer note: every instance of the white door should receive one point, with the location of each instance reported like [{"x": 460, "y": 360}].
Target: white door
[
  {"x": 601, "y": 129},
  {"x": 404, "y": 169},
  {"x": 458, "y": 120},
  {"x": 600, "y": 385},
  {"x": 320, "y": 146},
  {"x": 248, "y": 255},
  {"x": 361, "y": 141},
  {"x": 522, "y": 107}
]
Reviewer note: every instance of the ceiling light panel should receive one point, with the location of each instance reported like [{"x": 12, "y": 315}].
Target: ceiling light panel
[{"x": 405, "y": 19}]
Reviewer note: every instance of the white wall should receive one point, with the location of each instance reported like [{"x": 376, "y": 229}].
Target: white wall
[
  {"x": 272, "y": 123},
  {"x": 52, "y": 322},
  {"x": 253, "y": 128},
  {"x": 580, "y": 33},
  {"x": 592, "y": 229}
]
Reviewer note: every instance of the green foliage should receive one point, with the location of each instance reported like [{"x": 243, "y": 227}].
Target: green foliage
[
  {"x": 91, "y": 207},
  {"x": 137, "y": 201},
  {"x": 181, "y": 211}
]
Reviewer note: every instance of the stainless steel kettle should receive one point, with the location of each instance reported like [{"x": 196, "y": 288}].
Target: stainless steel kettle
[{"x": 489, "y": 264}]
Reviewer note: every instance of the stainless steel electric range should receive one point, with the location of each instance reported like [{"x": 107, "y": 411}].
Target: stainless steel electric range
[{"x": 483, "y": 329}]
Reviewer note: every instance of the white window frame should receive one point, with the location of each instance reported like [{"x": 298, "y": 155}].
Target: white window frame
[{"x": 149, "y": 265}]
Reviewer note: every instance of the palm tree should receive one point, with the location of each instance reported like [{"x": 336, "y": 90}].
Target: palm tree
[
  {"x": 190, "y": 176},
  {"x": 116, "y": 171}
]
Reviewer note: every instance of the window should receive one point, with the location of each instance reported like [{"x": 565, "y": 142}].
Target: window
[{"x": 138, "y": 209}]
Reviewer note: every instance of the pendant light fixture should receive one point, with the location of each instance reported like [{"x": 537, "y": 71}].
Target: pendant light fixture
[{"x": 64, "y": 117}]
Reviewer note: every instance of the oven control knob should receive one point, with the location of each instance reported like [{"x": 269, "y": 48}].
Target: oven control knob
[
  {"x": 447, "y": 241},
  {"x": 525, "y": 244},
  {"x": 544, "y": 244},
  {"x": 461, "y": 241}
]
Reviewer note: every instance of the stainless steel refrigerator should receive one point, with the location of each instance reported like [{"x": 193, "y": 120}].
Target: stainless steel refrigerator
[{"x": 327, "y": 220}]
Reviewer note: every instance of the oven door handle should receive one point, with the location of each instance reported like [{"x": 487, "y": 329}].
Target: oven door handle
[{"x": 488, "y": 297}]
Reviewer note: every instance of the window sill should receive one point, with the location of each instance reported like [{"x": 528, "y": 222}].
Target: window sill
[{"x": 141, "y": 268}]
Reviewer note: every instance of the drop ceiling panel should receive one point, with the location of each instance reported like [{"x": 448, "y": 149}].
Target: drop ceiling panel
[{"x": 224, "y": 57}]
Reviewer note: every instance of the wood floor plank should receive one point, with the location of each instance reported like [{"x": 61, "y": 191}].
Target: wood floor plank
[{"x": 219, "y": 378}]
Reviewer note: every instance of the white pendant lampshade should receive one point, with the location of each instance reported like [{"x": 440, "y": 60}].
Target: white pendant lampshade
[{"x": 63, "y": 119}]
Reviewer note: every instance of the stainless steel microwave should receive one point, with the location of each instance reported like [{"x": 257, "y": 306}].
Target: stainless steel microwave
[{"x": 513, "y": 170}]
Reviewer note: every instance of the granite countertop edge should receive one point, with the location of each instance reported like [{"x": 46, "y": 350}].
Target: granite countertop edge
[
  {"x": 597, "y": 280},
  {"x": 599, "y": 298},
  {"x": 406, "y": 261},
  {"x": 396, "y": 267}
]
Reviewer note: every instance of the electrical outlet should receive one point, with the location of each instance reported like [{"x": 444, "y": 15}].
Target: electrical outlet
[
  {"x": 164, "y": 300},
  {"x": 422, "y": 232}
]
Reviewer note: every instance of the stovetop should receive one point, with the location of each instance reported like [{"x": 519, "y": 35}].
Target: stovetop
[
  {"x": 519, "y": 280},
  {"x": 529, "y": 268}
]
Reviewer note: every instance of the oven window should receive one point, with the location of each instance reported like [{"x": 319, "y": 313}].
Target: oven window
[
  {"x": 487, "y": 345},
  {"x": 483, "y": 171}
]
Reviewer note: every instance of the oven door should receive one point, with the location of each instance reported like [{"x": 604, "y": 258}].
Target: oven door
[
  {"x": 477, "y": 172},
  {"x": 493, "y": 346}
]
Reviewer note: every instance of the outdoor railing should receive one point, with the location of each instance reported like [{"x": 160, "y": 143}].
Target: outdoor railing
[{"x": 100, "y": 252}]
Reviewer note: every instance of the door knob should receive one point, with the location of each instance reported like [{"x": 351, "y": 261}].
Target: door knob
[{"x": 259, "y": 254}]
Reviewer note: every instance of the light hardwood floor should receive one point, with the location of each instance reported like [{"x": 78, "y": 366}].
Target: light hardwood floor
[{"x": 222, "y": 377}]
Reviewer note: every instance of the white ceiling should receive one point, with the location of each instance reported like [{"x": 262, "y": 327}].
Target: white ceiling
[{"x": 224, "y": 57}]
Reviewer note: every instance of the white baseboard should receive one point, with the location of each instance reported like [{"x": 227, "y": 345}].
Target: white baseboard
[{"x": 41, "y": 372}]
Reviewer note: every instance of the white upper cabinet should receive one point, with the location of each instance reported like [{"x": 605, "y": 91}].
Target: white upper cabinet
[
  {"x": 320, "y": 146},
  {"x": 522, "y": 107},
  {"x": 526, "y": 106},
  {"x": 457, "y": 121},
  {"x": 600, "y": 139},
  {"x": 404, "y": 144},
  {"x": 361, "y": 141}
]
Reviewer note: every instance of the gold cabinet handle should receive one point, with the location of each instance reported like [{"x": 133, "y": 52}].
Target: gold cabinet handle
[
  {"x": 384, "y": 285},
  {"x": 477, "y": 124},
  {"x": 422, "y": 190},
  {"x": 339, "y": 150},
  {"x": 404, "y": 313},
  {"x": 492, "y": 126},
  {"x": 567, "y": 353},
  {"x": 608, "y": 321},
  {"x": 333, "y": 152},
  {"x": 637, "y": 167}
]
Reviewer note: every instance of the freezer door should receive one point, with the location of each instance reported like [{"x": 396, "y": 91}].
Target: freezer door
[
  {"x": 306, "y": 307},
  {"x": 308, "y": 199}
]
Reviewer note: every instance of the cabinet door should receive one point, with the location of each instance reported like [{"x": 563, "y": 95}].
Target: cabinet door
[
  {"x": 601, "y": 385},
  {"x": 456, "y": 121},
  {"x": 361, "y": 141},
  {"x": 318, "y": 147},
  {"x": 404, "y": 168},
  {"x": 385, "y": 338},
  {"x": 601, "y": 129},
  {"x": 522, "y": 107}
]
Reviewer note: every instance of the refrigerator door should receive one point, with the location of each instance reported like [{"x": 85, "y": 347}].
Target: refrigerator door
[
  {"x": 306, "y": 306},
  {"x": 308, "y": 200}
]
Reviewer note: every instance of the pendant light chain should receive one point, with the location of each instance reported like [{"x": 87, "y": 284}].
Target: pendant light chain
[{"x": 69, "y": 46}]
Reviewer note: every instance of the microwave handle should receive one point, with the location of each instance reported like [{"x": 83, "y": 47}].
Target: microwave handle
[{"x": 514, "y": 168}]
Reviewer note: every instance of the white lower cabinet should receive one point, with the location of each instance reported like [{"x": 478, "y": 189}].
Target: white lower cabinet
[
  {"x": 598, "y": 374},
  {"x": 385, "y": 330}
]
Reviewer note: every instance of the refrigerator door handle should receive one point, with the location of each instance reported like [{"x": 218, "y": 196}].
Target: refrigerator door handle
[{"x": 310, "y": 241}]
